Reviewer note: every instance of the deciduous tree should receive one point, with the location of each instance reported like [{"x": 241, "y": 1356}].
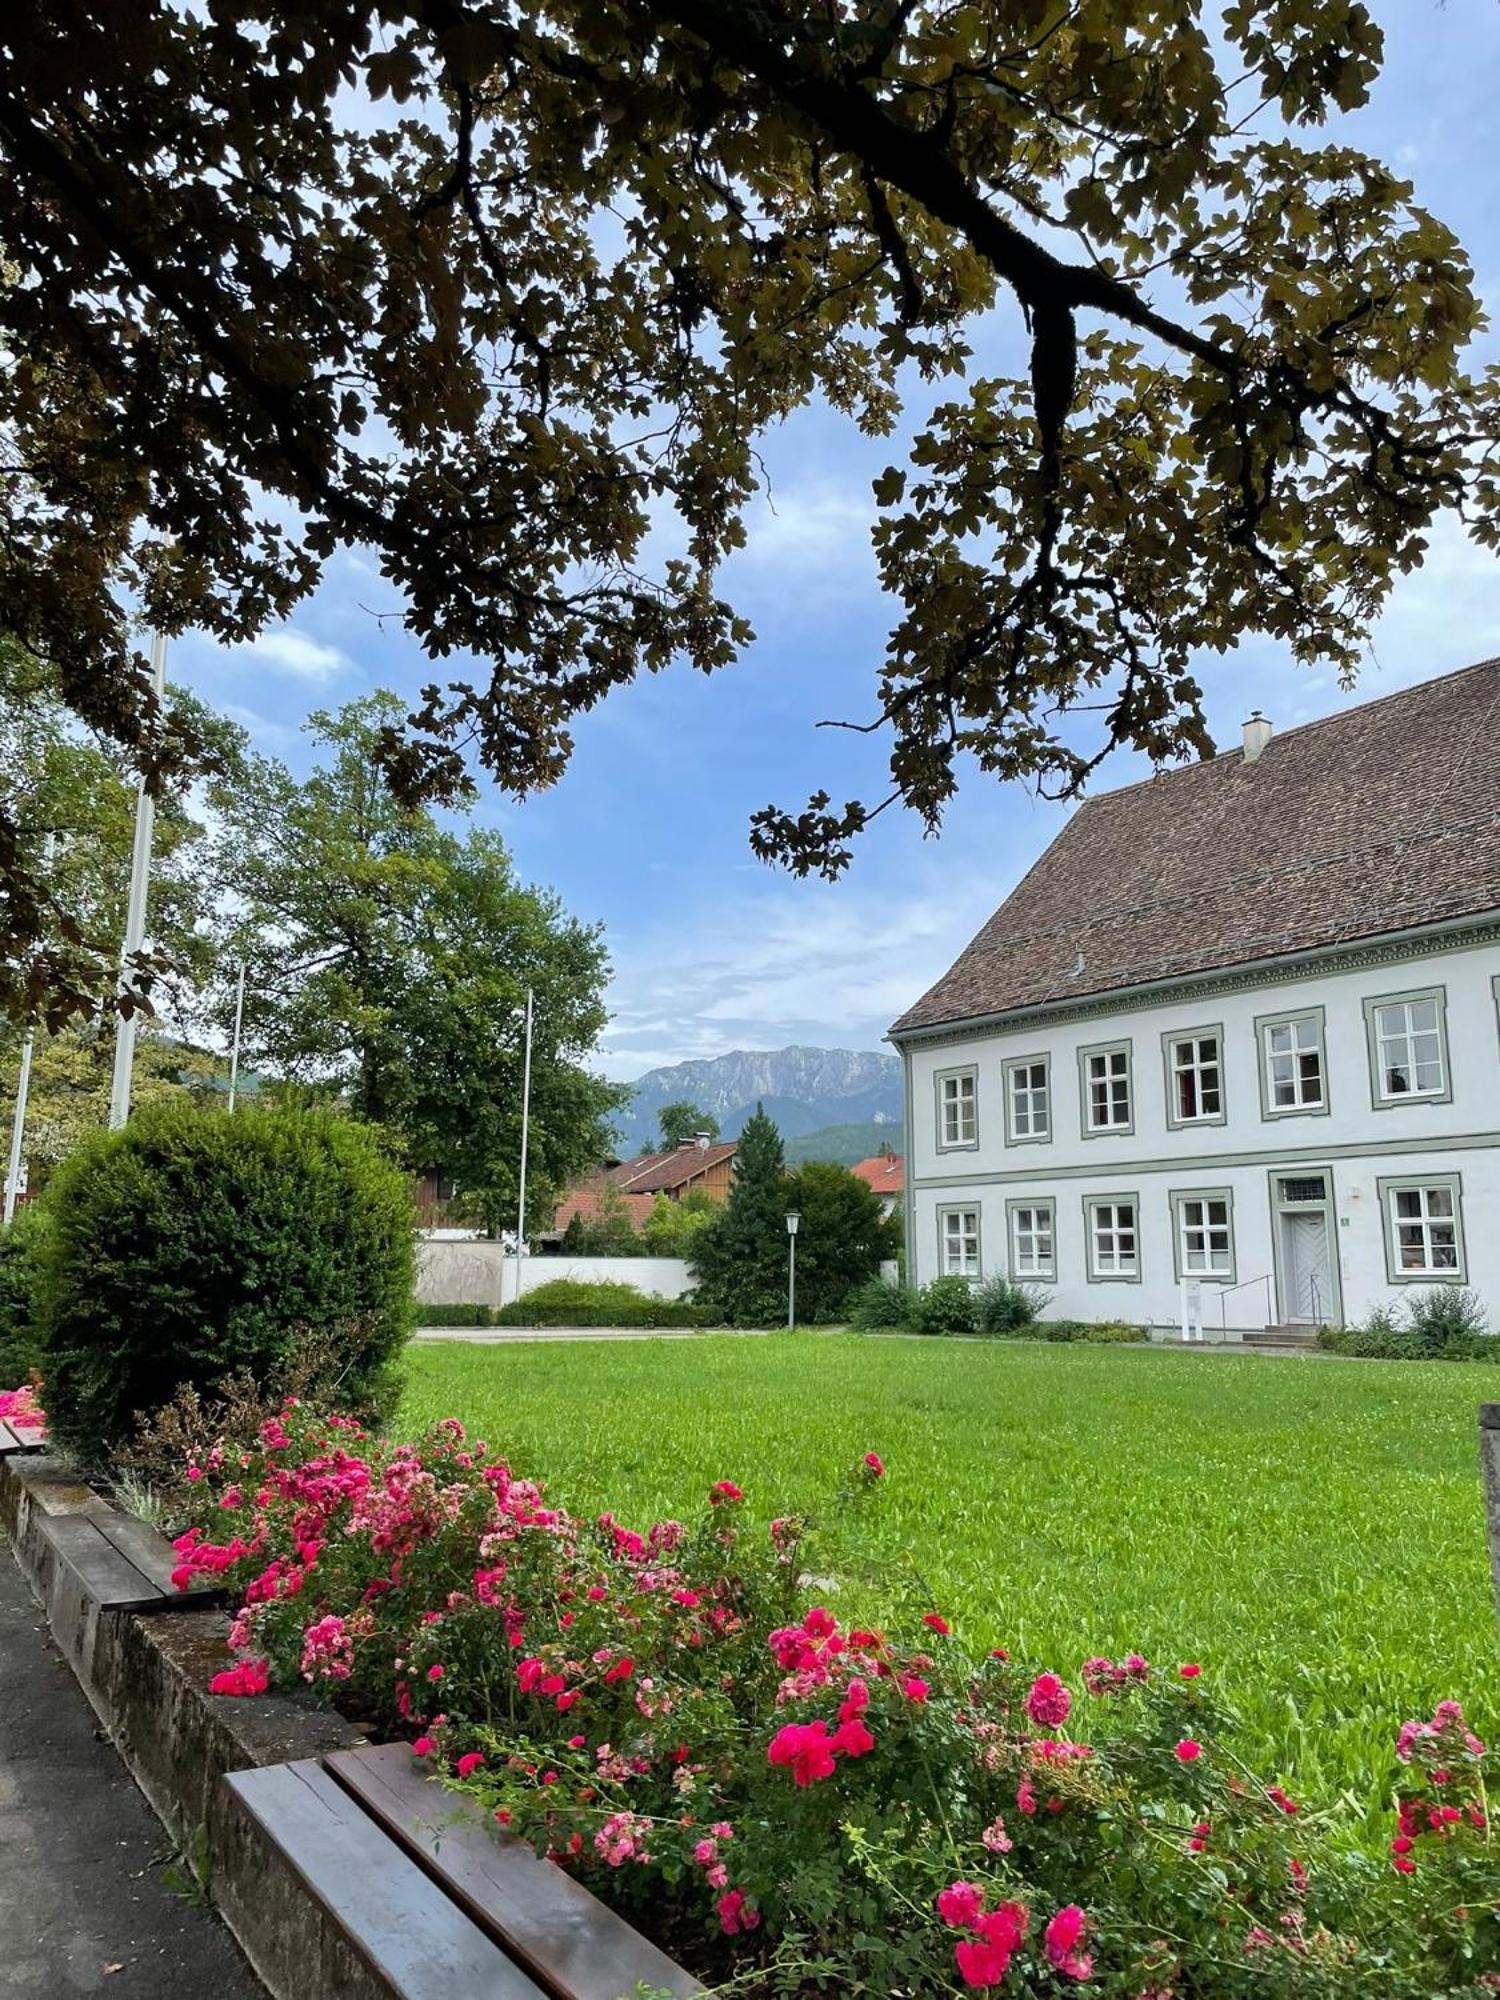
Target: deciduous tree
[
  {"x": 491, "y": 289},
  {"x": 680, "y": 1122}
]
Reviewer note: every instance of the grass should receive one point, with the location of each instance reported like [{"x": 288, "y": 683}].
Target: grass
[{"x": 1312, "y": 1532}]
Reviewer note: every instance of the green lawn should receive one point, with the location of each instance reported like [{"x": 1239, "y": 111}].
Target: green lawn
[{"x": 1311, "y": 1531}]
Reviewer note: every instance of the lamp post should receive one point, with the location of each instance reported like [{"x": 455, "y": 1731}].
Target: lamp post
[
  {"x": 135, "y": 915},
  {"x": 791, "y": 1270}
]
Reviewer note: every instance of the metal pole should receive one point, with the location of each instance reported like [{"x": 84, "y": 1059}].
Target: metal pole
[
  {"x": 525, "y": 1134},
  {"x": 239, "y": 1015},
  {"x": 135, "y": 913},
  {"x": 23, "y": 1085},
  {"x": 791, "y": 1283}
]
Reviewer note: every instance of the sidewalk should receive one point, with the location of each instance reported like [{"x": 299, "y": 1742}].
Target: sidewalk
[
  {"x": 493, "y": 1336},
  {"x": 83, "y": 1907}
]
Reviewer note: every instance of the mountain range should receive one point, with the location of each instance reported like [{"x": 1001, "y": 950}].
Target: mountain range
[{"x": 804, "y": 1090}]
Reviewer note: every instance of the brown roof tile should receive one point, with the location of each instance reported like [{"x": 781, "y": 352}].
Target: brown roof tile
[
  {"x": 884, "y": 1172},
  {"x": 665, "y": 1171},
  {"x": 1381, "y": 818}
]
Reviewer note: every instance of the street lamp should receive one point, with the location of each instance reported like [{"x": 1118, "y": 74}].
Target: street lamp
[{"x": 791, "y": 1270}]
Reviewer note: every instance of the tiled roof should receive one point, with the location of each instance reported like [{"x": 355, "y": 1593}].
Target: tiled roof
[
  {"x": 662, "y": 1172},
  {"x": 885, "y": 1173},
  {"x": 1381, "y": 818},
  {"x": 584, "y": 1202}
]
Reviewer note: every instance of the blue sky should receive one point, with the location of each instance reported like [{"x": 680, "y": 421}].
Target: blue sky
[{"x": 647, "y": 833}]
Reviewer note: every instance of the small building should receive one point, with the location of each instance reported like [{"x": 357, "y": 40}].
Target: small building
[
  {"x": 1234, "y": 1037},
  {"x": 884, "y": 1174},
  {"x": 700, "y": 1164}
]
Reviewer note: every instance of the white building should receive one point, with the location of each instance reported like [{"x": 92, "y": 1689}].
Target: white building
[{"x": 1241, "y": 1025}]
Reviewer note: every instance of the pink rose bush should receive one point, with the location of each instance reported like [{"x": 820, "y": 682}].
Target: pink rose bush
[
  {"x": 801, "y": 1804},
  {"x": 22, "y": 1405}
]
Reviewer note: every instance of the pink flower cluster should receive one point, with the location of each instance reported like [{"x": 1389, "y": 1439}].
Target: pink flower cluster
[
  {"x": 21, "y": 1406},
  {"x": 984, "y": 1957},
  {"x": 1448, "y": 1800}
]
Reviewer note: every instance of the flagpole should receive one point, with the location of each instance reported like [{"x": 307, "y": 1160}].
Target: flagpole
[
  {"x": 135, "y": 913},
  {"x": 239, "y": 1015},
  {"x": 525, "y": 1134}
]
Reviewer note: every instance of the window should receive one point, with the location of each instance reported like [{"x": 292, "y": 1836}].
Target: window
[
  {"x": 1291, "y": 1064},
  {"x": 1195, "y": 1077},
  {"x": 1203, "y": 1229},
  {"x": 1110, "y": 1232},
  {"x": 1423, "y": 1228},
  {"x": 1408, "y": 1048},
  {"x": 958, "y": 1242},
  {"x": 1105, "y": 1077},
  {"x": 1028, "y": 1100},
  {"x": 958, "y": 1113},
  {"x": 1033, "y": 1237}
]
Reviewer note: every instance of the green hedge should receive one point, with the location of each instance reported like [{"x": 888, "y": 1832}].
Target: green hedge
[
  {"x": 20, "y": 1340},
  {"x": 429, "y": 1315},
  {"x": 1436, "y": 1323},
  {"x": 571, "y": 1302},
  {"x": 192, "y": 1245}
]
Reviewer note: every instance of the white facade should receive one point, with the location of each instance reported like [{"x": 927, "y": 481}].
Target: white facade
[
  {"x": 1306, "y": 1138},
  {"x": 487, "y": 1273}
]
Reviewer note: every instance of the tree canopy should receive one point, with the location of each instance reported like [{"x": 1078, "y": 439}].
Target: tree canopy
[
  {"x": 389, "y": 959},
  {"x": 677, "y": 1123},
  {"x": 491, "y": 289}
]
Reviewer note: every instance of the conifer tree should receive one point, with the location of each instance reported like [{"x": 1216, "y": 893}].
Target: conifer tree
[{"x": 740, "y": 1259}]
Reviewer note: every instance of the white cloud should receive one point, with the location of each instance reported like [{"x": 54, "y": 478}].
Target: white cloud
[
  {"x": 295, "y": 653},
  {"x": 815, "y": 534}
]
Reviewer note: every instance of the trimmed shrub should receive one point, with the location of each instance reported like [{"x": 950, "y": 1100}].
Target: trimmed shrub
[
  {"x": 190, "y": 1246},
  {"x": 460, "y": 1315},
  {"x": 1002, "y": 1307},
  {"x": 20, "y": 1342},
  {"x": 573, "y": 1302},
  {"x": 945, "y": 1306},
  {"x": 875, "y": 1305},
  {"x": 1447, "y": 1315}
]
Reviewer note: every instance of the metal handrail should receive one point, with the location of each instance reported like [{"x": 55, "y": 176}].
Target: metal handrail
[{"x": 1244, "y": 1285}]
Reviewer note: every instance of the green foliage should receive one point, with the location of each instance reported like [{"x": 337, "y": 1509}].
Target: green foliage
[
  {"x": 579, "y": 1302},
  {"x": 454, "y": 1315},
  {"x": 608, "y": 1232},
  {"x": 876, "y": 1306},
  {"x": 192, "y": 1245},
  {"x": 1002, "y": 1307},
  {"x": 843, "y": 1237},
  {"x": 1440, "y": 1323},
  {"x": 1262, "y": 443},
  {"x": 1093, "y": 1332},
  {"x": 20, "y": 1339},
  {"x": 672, "y": 1228},
  {"x": 946, "y": 1305},
  {"x": 740, "y": 1258},
  {"x": 1291, "y": 1526},
  {"x": 677, "y": 1123},
  {"x": 389, "y": 963}
]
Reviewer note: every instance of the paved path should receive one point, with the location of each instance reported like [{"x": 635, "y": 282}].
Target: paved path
[
  {"x": 504, "y": 1336},
  {"x": 83, "y": 1907}
]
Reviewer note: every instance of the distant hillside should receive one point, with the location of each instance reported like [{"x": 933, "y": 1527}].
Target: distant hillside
[
  {"x": 805, "y": 1090},
  {"x": 845, "y": 1144}
]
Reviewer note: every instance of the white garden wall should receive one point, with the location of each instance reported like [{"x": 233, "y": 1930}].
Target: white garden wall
[{"x": 484, "y": 1274}]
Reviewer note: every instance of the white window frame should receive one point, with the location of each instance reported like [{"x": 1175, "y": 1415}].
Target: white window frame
[
  {"x": 1115, "y": 1229},
  {"x": 1192, "y": 1216},
  {"x": 1425, "y": 1225},
  {"x": 1291, "y": 1017},
  {"x": 1198, "y": 1067},
  {"x": 1116, "y": 1128},
  {"x": 959, "y": 1211},
  {"x": 968, "y": 1074},
  {"x": 1011, "y": 1070},
  {"x": 1382, "y": 1098},
  {"x": 1041, "y": 1270}
]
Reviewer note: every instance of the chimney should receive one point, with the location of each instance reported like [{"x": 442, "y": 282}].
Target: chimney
[
  {"x": 702, "y": 1141},
  {"x": 1257, "y": 735}
]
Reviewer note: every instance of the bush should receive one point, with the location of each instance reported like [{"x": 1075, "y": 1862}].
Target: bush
[
  {"x": 1443, "y": 1323},
  {"x": 20, "y": 1341},
  {"x": 945, "y": 1306},
  {"x": 1003, "y": 1307},
  {"x": 797, "y": 1808},
  {"x": 573, "y": 1302},
  {"x": 191, "y": 1245},
  {"x": 875, "y": 1304},
  {"x": 460, "y": 1315}
]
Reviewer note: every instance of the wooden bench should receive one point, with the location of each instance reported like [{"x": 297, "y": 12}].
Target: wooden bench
[
  {"x": 431, "y": 1898},
  {"x": 117, "y": 1562}
]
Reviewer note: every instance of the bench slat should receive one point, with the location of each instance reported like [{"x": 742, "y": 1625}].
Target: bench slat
[
  {"x": 114, "y": 1582},
  {"x": 567, "y": 1940},
  {"x": 419, "y": 1942},
  {"x": 153, "y": 1555},
  {"x": 8, "y": 1440}
]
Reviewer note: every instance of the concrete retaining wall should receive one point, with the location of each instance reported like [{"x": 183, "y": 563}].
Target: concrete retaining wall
[{"x": 484, "y": 1274}]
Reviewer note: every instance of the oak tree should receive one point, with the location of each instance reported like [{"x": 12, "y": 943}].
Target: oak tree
[{"x": 489, "y": 289}]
